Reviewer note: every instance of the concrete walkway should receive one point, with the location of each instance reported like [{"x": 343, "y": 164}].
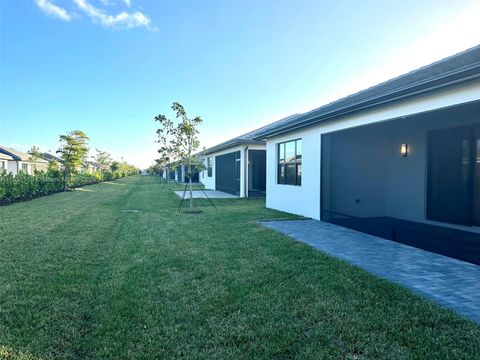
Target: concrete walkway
[
  {"x": 212, "y": 194},
  {"x": 449, "y": 282}
]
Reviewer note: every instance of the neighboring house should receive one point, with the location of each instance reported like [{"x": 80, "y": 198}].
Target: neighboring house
[
  {"x": 177, "y": 173},
  {"x": 14, "y": 161},
  {"x": 5, "y": 161},
  {"x": 181, "y": 174},
  {"x": 168, "y": 172},
  {"x": 50, "y": 157},
  {"x": 397, "y": 160},
  {"x": 90, "y": 167},
  {"x": 237, "y": 166}
]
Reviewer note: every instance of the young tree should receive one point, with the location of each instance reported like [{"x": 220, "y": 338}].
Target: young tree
[
  {"x": 114, "y": 166},
  {"x": 53, "y": 169},
  {"x": 35, "y": 152},
  {"x": 73, "y": 150},
  {"x": 180, "y": 142},
  {"x": 103, "y": 158}
]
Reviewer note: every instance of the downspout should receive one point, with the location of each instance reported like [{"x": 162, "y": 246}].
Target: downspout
[{"x": 245, "y": 173}]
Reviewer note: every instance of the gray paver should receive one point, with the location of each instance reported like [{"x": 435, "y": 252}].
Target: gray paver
[
  {"x": 449, "y": 282},
  {"x": 213, "y": 194}
]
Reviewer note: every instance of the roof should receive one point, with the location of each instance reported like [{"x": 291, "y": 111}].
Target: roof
[
  {"x": 452, "y": 70},
  {"x": 92, "y": 163},
  {"x": 19, "y": 155},
  {"x": 50, "y": 157},
  {"x": 4, "y": 156},
  {"x": 248, "y": 138}
]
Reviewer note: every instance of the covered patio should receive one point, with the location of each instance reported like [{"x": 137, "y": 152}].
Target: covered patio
[{"x": 414, "y": 180}]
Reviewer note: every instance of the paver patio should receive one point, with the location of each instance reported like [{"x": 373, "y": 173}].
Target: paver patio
[
  {"x": 449, "y": 282},
  {"x": 212, "y": 194}
]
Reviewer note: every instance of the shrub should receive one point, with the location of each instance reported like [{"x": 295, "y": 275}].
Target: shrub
[
  {"x": 107, "y": 175},
  {"x": 24, "y": 186},
  {"x": 81, "y": 179}
]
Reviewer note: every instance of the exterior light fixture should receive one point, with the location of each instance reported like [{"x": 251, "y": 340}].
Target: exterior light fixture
[{"x": 404, "y": 150}]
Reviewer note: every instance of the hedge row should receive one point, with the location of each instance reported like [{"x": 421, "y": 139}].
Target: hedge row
[{"x": 24, "y": 187}]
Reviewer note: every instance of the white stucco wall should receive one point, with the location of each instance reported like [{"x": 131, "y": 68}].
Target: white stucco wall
[
  {"x": 12, "y": 167},
  {"x": 305, "y": 199}
]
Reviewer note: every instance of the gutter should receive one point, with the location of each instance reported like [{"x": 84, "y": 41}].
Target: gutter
[{"x": 230, "y": 144}]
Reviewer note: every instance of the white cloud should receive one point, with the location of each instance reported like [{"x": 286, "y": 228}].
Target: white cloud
[
  {"x": 50, "y": 8},
  {"x": 121, "y": 20}
]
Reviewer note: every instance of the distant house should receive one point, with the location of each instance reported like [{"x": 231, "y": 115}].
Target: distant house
[
  {"x": 181, "y": 174},
  {"x": 90, "y": 167},
  {"x": 14, "y": 161},
  {"x": 5, "y": 159},
  {"x": 238, "y": 166},
  {"x": 50, "y": 157}
]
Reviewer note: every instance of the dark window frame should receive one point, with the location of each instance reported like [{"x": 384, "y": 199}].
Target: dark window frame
[
  {"x": 209, "y": 167},
  {"x": 282, "y": 163}
]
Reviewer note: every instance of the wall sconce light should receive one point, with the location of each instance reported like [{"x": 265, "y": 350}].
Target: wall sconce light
[{"x": 404, "y": 150}]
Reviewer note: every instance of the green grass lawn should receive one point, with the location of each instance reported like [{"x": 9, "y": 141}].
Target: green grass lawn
[{"x": 81, "y": 278}]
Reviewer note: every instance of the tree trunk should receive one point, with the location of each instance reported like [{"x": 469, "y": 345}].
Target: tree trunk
[{"x": 190, "y": 183}]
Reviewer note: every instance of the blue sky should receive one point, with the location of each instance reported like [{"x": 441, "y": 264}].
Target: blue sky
[{"x": 108, "y": 67}]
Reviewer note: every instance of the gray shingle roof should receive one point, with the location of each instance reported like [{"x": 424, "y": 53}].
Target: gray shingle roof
[
  {"x": 50, "y": 157},
  {"x": 452, "y": 70},
  {"x": 19, "y": 155}
]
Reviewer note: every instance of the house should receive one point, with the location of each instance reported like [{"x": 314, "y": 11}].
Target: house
[
  {"x": 181, "y": 174},
  {"x": 50, "y": 157},
  {"x": 237, "y": 166},
  {"x": 90, "y": 167},
  {"x": 400, "y": 160},
  {"x": 14, "y": 161},
  {"x": 5, "y": 159}
]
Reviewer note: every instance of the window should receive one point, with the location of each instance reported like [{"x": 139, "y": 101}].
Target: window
[
  {"x": 209, "y": 166},
  {"x": 25, "y": 168},
  {"x": 290, "y": 162},
  {"x": 3, "y": 166}
]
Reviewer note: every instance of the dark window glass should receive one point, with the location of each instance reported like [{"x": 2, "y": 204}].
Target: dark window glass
[
  {"x": 476, "y": 182},
  {"x": 281, "y": 174},
  {"x": 299, "y": 173},
  {"x": 290, "y": 174},
  {"x": 289, "y": 160},
  {"x": 209, "y": 167},
  {"x": 453, "y": 176}
]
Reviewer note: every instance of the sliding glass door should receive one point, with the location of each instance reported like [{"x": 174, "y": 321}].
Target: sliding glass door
[
  {"x": 476, "y": 188},
  {"x": 453, "y": 193}
]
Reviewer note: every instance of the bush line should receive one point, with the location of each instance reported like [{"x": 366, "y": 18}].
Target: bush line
[{"x": 21, "y": 187}]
